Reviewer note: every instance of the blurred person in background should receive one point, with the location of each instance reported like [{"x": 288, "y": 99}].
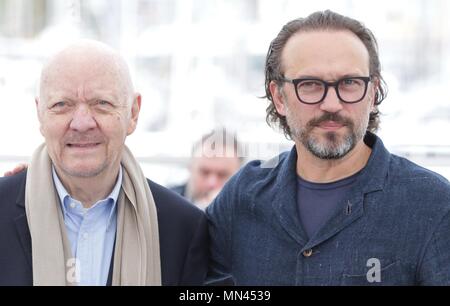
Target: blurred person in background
[
  {"x": 338, "y": 209},
  {"x": 214, "y": 159},
  {"x": 83, "y": 213}
]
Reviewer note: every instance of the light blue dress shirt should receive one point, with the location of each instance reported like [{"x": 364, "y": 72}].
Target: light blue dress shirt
[{"x": 91, "y": 232}]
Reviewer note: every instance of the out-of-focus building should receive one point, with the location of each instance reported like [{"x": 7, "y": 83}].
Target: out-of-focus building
[{"x": 199, "y": 64}]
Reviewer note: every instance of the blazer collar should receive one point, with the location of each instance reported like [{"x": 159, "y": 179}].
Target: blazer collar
[
  {"x": 20, "y": 199},
  {"x": 21, "y": 222},
  {"x": 284, "y": 202}
]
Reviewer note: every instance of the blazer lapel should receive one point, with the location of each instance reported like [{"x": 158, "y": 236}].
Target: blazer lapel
[
  {"x": 370, "y": 180},
  {"x": 24, "y": 236},
  {"x": 344, "y": 217},
  {"x": 285, "y": 200},
  {"x": 22, "y": 224}
]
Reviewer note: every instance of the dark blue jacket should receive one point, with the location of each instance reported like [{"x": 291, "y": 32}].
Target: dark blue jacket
[
  {"x": 393, "y": 228},
  {"x": 183, "y": 236}
]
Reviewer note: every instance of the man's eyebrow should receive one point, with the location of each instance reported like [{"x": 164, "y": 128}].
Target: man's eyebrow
[
  {"x": 348, "y": 75},
  {"x": 51, "y": 99},
  {"x": 100, "y": 95},
  {"x": 353, "y": 75}
]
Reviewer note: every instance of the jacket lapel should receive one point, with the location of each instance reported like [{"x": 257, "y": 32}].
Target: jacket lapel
[
  {"x": 285, "y": 200},
  {"x": 22, "y": 223},
  {"x": 24, "y": 236},
  {"x": 371, "y": 179},
  {"x": 344, "y": 217}
]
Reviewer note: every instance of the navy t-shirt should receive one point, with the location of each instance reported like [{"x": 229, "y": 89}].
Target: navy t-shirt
[{"x": 318, "y": 201}]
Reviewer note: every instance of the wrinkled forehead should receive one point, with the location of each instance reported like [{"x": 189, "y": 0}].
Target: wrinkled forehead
[
  {"x": 318, "y": 51},
  {"x": 89, "y": 72}
]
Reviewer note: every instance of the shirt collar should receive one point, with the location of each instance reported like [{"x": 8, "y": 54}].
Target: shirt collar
[{"x": 63, "y": 194}]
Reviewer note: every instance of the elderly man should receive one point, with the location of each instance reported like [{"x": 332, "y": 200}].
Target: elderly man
[
  {"x": 83, "y": 213},
  {"x": 338, "y": 209}
]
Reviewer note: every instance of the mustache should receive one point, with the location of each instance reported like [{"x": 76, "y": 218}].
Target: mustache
[
  {"x": 83, "y": 138},
  {"x": 330, "y": 117}
]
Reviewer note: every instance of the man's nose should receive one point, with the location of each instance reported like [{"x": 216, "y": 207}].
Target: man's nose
[
  {"x": 331, "y": 103},
  {"x": 82, "y": 119}
]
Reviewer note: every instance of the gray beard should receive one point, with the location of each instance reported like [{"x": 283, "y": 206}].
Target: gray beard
[{"x": 333, "y": 149}]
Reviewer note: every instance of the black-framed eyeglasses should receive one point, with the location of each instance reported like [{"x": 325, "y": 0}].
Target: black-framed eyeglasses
[{"x": 314, "y": 91}]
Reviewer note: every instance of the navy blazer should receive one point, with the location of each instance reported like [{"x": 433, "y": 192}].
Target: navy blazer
[{"x": 183, "y": 236}]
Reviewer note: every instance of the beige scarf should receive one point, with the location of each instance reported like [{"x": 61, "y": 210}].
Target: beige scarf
[{"x": 136, "y": 255}]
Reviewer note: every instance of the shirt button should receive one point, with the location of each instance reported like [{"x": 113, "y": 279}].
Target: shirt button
[
  {"x": 72, "y": 205},
  {"x": 307, "y": 253}
]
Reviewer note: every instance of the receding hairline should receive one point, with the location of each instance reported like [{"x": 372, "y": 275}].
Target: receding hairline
[
  {"x": 85, "y": 51},
  {"x": 325, "y": 29}
]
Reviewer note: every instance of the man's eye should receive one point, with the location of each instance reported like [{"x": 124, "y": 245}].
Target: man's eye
[
  {"x": 104, "y": 103},
  {"x": 349, "y": 82},
  {"x": 353, "y": 82},
  {"x": 59, "y": 104}
]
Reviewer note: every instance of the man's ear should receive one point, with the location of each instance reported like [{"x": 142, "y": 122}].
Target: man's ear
[
  {"x": 278, "y": 99},
  {"x": 373, "y": 93},
  {"x": 135, "y": 109}
]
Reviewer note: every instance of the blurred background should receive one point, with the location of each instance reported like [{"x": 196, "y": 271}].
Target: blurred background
[{"x": 199, "y": 65}]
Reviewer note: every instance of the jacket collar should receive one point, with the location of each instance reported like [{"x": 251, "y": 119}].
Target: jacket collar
[
  {"x": 373, "y": 175},
  {"x": 20, "y": 220},
  {"x": 24, "y": 232},
  {"x": 20, "y": 200},
  {"x": 284, "y": 202}
]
